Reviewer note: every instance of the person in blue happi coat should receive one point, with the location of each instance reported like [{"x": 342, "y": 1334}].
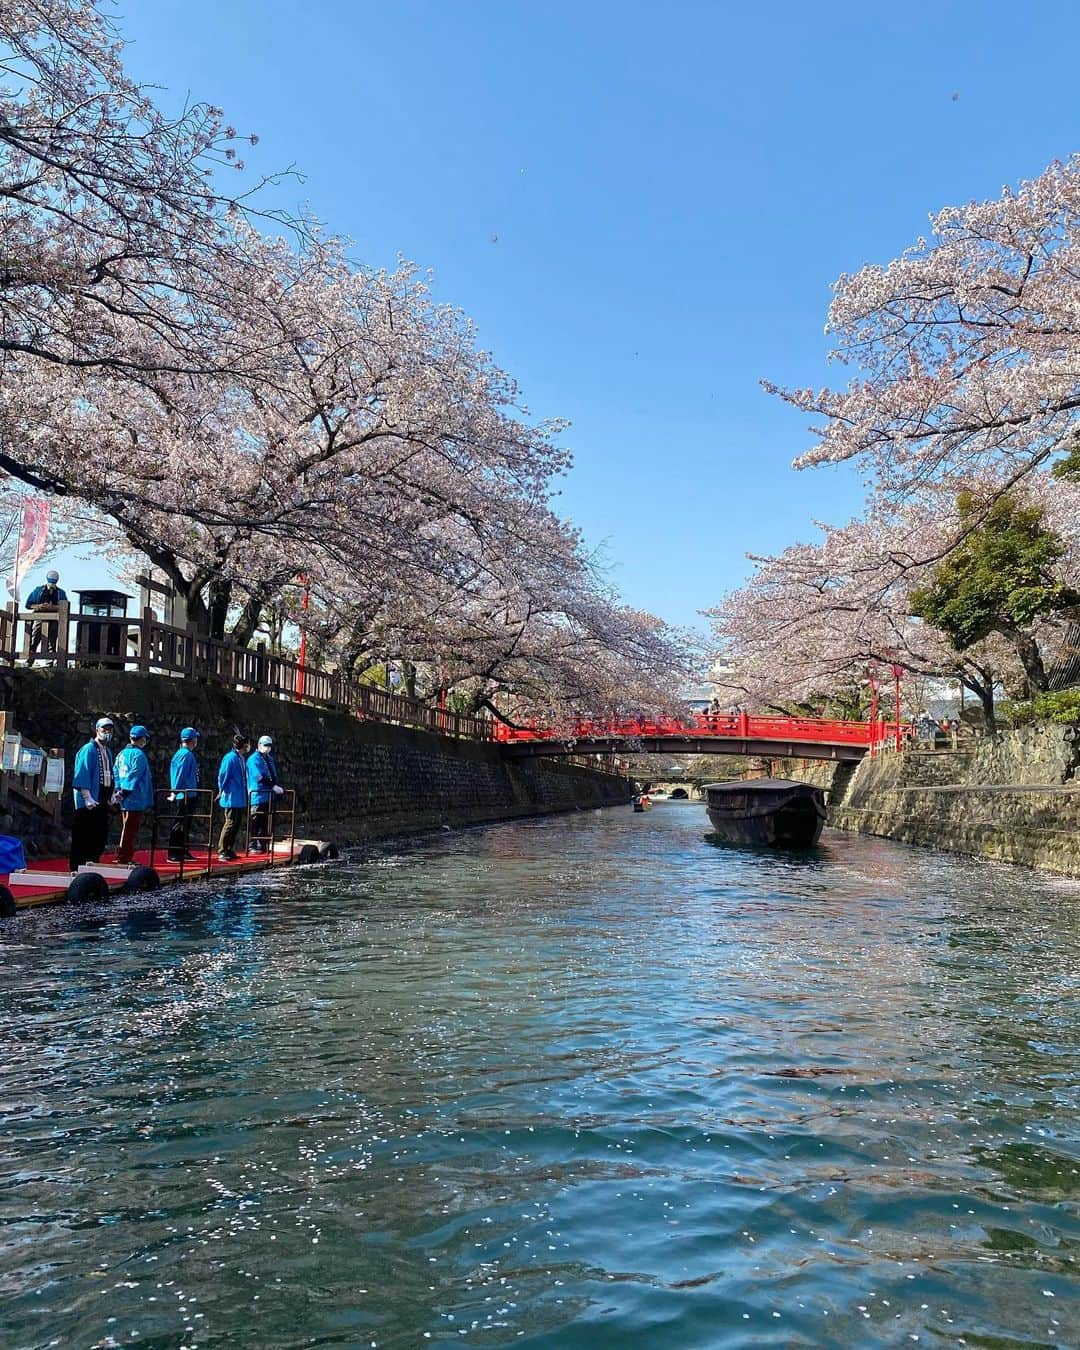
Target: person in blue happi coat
[
  {"x": 263, "y": 787},
  {"x": 232, "y": 789},
  {"x": 92, "y": 784},
  {"x": 134, "y": 789},
  {"x": 183, "y": 784},
  {"x": 45, "y": 599}
]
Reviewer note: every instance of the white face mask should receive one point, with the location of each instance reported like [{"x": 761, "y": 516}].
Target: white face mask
[{"x": 104, "y": 734}]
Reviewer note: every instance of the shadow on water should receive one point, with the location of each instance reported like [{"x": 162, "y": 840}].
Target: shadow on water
[{"x": 808, "y": 854}]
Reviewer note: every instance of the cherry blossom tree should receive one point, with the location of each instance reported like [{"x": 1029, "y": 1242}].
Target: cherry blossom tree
[
  {"x": 381, "y": 454},
  {"x": 818, "y": 617},
  {"x": 965, "y": 379},
  {"x": 965, "y": 349},
  {"x": 522, "y": 610},
  {"x": 115, "y": 237},
  {"x": 373, "y": 423},
  {"x": 242, "y": 408}
]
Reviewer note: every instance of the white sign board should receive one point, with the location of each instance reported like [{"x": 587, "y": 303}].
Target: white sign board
[
  {"x": 30, "y": 761},
  {"x": 12, "y": 748},
  {"x": 54, "y": 774}
]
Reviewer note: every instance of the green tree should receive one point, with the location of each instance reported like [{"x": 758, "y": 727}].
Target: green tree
[{"x": 1000, "y": 579}]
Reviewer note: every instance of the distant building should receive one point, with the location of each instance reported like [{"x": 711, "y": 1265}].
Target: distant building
[{"x": 698, "y": 697}]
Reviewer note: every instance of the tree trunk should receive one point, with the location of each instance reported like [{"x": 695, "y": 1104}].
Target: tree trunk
[
  {"x": 408, "y": 673},
  {"x": 983, "y": 689},
  {"x": 219, "y": 596},
  {"x": 1031, "y": 659},
  {"x": 485, "y": 702},
  {"x": 194, "y": 603},
  {"x": 245, "y": 626}
]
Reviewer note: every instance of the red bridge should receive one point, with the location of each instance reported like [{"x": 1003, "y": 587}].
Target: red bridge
[{"x": 705, "y": 734}]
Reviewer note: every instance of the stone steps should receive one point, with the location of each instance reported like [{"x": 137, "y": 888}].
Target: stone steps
[{"x": 932, "y": 768}]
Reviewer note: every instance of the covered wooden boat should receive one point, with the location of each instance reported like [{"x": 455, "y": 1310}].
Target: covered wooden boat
[{"x": 766, "y": 811}]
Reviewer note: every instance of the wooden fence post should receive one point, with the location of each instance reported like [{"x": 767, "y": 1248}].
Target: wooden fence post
[
  {"x": 63, "y": 634},
  {"x": 144, "y": 639},
  {"x": 12, "y": 649}
]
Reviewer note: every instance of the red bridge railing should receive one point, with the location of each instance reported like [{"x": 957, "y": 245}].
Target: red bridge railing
[{"x": 730, "y": 726}]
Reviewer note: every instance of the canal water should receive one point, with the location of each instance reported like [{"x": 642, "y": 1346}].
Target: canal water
[{"x": 588, "y": 1081}]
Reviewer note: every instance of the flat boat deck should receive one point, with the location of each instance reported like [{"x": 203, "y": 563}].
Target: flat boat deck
[{"x": 53, "y": 891}]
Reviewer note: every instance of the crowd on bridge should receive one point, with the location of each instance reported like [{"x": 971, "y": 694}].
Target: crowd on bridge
[{"x": 248, "y": 785}]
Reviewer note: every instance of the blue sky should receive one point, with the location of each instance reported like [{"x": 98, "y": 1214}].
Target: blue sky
[{"x": 642, "y": 206}]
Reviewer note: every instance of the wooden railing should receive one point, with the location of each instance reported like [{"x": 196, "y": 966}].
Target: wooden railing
[{"x": 66, "y": 639}]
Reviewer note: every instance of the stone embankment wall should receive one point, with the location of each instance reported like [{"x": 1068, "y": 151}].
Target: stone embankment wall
[
  {"x": 1014, "y": 796},
  {"x": 355, "y": 780},
  {"x": 823, "y": 773}
]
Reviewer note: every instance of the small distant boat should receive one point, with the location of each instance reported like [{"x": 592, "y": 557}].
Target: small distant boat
[
  {"x": 642, "y": 801},
  {"x": 766, "y": 811}
]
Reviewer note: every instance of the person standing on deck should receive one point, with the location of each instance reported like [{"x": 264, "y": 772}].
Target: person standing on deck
[
  {"x": 263, "y": 787},
  {"x": 92, "y": 784},
  {"x": 233, "y": 798},
  {"x": 45, "y": 599},
  {"x": 134, "y": 790},
  {"x": 183, "y": 783}
]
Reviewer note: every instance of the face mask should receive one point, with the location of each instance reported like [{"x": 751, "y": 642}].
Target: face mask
[{"x": 105, "y": 735}]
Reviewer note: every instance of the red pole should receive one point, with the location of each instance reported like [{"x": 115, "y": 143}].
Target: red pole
[
  {"x": 873, "y": 710},
  {"x": 897, "y": 672}
]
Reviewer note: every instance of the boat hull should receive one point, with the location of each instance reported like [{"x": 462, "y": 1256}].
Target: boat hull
[
  {"x": 774, "y": 814},
  {"x": 768, "y": 831}
]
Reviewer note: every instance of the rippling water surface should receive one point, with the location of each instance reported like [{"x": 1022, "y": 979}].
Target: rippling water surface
[{"x": 586, "y": 1081}]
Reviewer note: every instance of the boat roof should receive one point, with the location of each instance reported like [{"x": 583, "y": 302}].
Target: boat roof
[{"x": 759, "y": 785}]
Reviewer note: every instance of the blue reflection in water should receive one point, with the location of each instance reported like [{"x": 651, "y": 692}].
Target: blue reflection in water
[{"x": 585, "y": 1081}]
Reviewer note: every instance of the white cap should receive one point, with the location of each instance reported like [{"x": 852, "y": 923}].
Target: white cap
[
  {"x": 52, "y": 575},
  {"x": 266, "y": 742}
]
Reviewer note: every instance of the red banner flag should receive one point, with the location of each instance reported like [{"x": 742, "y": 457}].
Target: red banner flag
[{"x": 33, "y": 536}]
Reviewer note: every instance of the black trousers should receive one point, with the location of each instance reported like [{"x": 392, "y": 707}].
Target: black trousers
[
  {"x": 260, "y": 839},
  {"x": 180, "y": 830},
  {"x": 89, "y": 832}
]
